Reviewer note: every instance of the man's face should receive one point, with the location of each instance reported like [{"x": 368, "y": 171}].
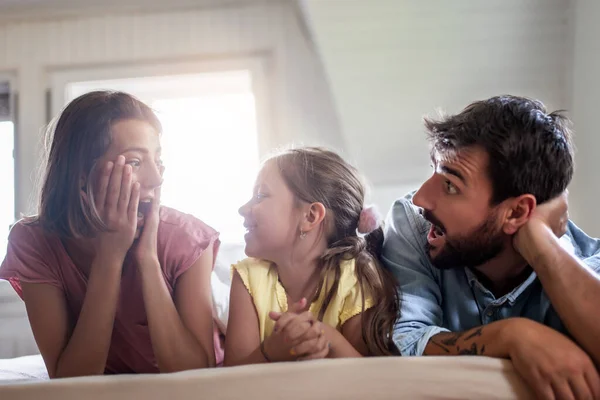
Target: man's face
[{"x": 465, "y": 231}]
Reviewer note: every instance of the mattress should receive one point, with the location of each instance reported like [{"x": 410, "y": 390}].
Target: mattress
[{"x": 465, "y": 377}]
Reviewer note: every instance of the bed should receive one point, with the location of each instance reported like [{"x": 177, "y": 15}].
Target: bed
[{"x": 466, "y": 377}]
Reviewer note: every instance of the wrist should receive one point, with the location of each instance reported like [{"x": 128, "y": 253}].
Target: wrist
[
  {"x": 109, "y": 260},
  {"x": 149, "y": 262},
  {"x": 264, "y": 352},
  {"x": 332, "y": 336},
  {"x": 269, "y": 353},
  {"x": 513, "y": 331},
  {"x": 150, "y": 271},
  {"x": 535, "y": 241}
]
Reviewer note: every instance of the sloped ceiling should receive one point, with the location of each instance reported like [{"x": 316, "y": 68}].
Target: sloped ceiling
[{"x": 390, "y": 62}]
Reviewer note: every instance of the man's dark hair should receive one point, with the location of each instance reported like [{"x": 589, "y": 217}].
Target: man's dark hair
[{"x": 530, "y": 150}]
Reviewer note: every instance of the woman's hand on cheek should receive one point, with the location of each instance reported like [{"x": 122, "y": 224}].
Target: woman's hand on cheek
[
  {"x": 117, "y": 202},
  {"x": 146, "y": 250}
]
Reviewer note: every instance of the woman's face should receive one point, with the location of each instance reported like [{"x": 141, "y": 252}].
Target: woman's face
[{"x": 139, "y": 143}]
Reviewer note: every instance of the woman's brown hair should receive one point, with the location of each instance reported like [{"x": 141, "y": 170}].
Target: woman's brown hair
[
  {"x": 74, "y": 143},
  {"x": 318, "y": 175}
]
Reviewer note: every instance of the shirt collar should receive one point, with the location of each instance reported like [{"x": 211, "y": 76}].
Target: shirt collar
[{"x": 513, "y": 295}]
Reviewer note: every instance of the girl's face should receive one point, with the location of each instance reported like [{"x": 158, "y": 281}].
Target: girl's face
[
  {"x": 139, "y": 143},
  {"x": 272, "y": 217}
]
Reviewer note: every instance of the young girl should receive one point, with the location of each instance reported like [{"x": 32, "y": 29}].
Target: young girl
[
  {"x": 112, "y": 282},
  {"x": 312, "y": 287}
]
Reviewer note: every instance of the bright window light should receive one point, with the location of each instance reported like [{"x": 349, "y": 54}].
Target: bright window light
[
  {"x": 211, "y": 157},
  {"x": 7, "y": 200},
  {"x": 209, "y": 140}
]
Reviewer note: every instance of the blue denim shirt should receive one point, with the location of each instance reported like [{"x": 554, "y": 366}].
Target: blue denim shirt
[{"x": 435, "y": 300}]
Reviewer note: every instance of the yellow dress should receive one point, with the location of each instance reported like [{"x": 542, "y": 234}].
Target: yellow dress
[{"x": 261, "y": 279}]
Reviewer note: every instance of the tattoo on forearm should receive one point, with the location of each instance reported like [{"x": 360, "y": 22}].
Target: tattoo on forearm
[
  {"x": 440, "y": 346},
  {"x": 447, "y": 341},
  {"x": 474, "y": 334},
  {"x": 467, "y": 352},
  {"x": 451, "y": 341}
]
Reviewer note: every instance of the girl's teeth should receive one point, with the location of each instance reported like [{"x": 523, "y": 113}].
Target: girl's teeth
[{"x": 140, "y": 215}]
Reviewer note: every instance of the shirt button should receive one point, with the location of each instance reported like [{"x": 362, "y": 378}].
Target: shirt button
[{"x": 490, "y": 313}]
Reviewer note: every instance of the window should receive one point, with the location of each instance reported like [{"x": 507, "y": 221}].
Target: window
[
  {"x": 210, "y": 141},
  {"x": 211, "y": 157},
  {"x": 7, "y": 168}
]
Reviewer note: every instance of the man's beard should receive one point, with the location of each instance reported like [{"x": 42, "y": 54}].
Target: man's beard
[{"x": 483, "y": 244}]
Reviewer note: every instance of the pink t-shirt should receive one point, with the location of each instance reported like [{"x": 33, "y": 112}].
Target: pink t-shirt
[{"x": 34, "y": 256}]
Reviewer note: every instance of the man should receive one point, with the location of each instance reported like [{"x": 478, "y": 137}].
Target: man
[{"x": 477, "y": 254}]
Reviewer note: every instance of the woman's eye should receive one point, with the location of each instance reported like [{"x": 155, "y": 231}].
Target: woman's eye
[{"x": 134, "y": 163}]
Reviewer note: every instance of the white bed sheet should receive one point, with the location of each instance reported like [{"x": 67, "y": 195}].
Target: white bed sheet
[{"x": 465, "y": 377}]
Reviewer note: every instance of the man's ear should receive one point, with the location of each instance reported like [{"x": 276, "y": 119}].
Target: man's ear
[
  {"x": 517, "y": 212},
  {"x": 314, "y": 215}
]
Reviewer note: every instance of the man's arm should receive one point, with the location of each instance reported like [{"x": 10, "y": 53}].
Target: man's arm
[
  {"x": 572, "y": 285},
  {"x": 552, "y": 364},
  {"x": 487, "y": 340}
]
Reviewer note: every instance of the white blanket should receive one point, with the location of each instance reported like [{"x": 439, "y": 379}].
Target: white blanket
[
  {"x": 28, "y": 368},
  {"x": 465, "y": 377}
]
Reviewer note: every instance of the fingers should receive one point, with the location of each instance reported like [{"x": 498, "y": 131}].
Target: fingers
[
  {"x": 284, "y": 319},
  {"x": 543, "y": 391},
  {"x": 152, "y": 218},
  {"x": 295, "y": 325},
  {"x": 301, "y": 332},
  {"x": 298, "y": 306},
  {"x": 316, "y": 356},
  {"x": 593, "y": 380},
  {"x": 125, "y": 191},
  {"x": 156, "y": 201},
  {"x": 562, "y": 390},
  {"x": 314, "y": 331},
  {"x": 541, "y": 387},
  {"x": 134, "y": 202},
  {"x": 114, "y": 186},
  {"x": 579, "y": 388},
  {"x": 564, "y": 219},
  {"x": 274, "y": 315},
  {"x": 561, "y": 201},
  {"x": 313, "y": 347},
  {"x": 103, "y": 181}
]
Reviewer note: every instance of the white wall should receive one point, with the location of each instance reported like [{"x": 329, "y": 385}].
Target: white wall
[
  {"x": 586, "y": 91},
  {"x": 392, "y": 61},
  {"x": 300, "y": 102},
  {"x": 387, "y": 62}
]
